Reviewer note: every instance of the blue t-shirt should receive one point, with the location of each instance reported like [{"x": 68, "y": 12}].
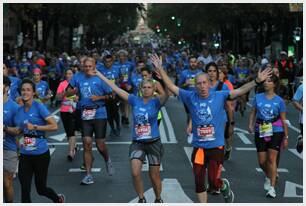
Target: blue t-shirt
[
  {"x": 135, "y": 81},
  {"x": 24, "y": 70},
  {"x": 74, "y": 82},
  {"x": 190, "y": 75},
  {"x": 125, "y": 70},
  {"x": 214, "y": 88},
  {"x": 206, "y": 118},
  {"x": 112, "y": 74},
  {"x": 15, "y": 83},
  {"x": 145, "y": 127},
  {"x": 37, "y": 114},
  {"x": 241, "y": 73},
  {"x": 9, "y": 111},
  {"x": 268, "y": 109},
  {"x": 42, "y": 88},
  {"x": 298, "y": 97},
  {"x": 93, "y": 86}
]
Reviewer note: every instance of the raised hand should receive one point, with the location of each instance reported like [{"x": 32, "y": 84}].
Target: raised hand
[
  {"x": 156, "y": 61},
  {"x": 263, "y": 75}
]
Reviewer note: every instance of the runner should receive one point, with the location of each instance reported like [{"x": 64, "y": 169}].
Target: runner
[
  {"x": 298, "y": 104},
  {"x": 43, "y": 93},
  {"x": 207, "y": 129},
  {"x": 10, "y": 157},
  {"x": 269, "y": 111},
  {"x": 33, "y": 120},
  {"x": 145, "y": 135},
  {"x": 93, "y": 92},
  {"x": 67, "y": 110}
]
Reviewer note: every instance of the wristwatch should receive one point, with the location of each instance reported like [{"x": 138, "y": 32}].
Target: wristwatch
[
  {"x": 232, "y": 122},
  {"x": 35, "y": 126},
  {"x": 286, "y": 137}
]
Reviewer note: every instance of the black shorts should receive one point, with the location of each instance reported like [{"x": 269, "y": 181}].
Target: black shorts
[
  {"x": 78, "y": 120},
  {"x": 68, "y": 120},
  {"x": 95, "y": 126},
  {"x": 154, "y": 151},
  {"x": 262, "y": 144}
]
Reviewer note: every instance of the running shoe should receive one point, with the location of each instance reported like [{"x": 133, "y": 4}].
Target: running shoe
[
  {"x": 159, "y": 201},
  {"x": 271, "y": 193},
  {"x": 299, "y": 144},
  {"x": 109, "y": 168},
  {"x": 227, "y": 193},
  {"x": 267, "y": 183},
  {"x": 213, "y": 191},
  {"x": 61, "y": 198},
  {"x": 87, "y": 180},
  {"x": 142, "y": 200}
]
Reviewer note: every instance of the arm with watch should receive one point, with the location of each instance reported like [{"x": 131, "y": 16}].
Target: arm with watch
[
  {"x": 261, "y": 77},
  {"x": 285, "y": 126},
  {"x": 50, "y": 126}
]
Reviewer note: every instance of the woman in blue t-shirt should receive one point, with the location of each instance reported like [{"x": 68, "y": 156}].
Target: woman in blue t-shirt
[
  {"x": 268, "y": 118},
  {"x": 145, "y": 134},
  {"x": 33, "y": 119}
]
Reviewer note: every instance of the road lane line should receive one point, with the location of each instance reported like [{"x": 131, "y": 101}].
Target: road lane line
[
  {"x": 278, "y": 170},
  {"x": 56, "y": 111},
  {"x": 58, "y": 137},
  {"x": 52, "y": 150},
  {"x": 79, "y": 170},
  {"x": 241, "y": 130},
  {"x": 162, "y": 133},
  {"x": 299, "y": 155},
  {"x": 169, "y": 126},
  {"x": 81, "y": 143},
  {"x": 243, "y": 138},
  {"x": 245, "y": 148}
]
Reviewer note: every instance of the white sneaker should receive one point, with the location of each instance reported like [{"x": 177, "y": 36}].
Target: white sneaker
[
  {"x": 267, "y": 184},
  {"x": 271, "y": 193}
]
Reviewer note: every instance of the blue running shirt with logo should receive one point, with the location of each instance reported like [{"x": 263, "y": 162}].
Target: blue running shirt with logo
[
  {"x": 207, "y": 123},
  {"x": 9, "y": 111},
  {"x": 145, "y": 126},
  {"x": 36, "y": 115},
  {"x": 268, "y": 109}
]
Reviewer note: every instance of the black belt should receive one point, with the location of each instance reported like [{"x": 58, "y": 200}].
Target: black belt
[
  {"x": 34, "y": 136},
  {"x": 260, "y": 121},
  {"x": 147, "y": 142}
]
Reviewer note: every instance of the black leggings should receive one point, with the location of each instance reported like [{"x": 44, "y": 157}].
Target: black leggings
[
  {"x": 113, "y": 113},
  {"x": 37, "y": 165}
]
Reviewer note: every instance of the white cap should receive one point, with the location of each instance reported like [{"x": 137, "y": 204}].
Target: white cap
[{"x": 264, "y": 61}]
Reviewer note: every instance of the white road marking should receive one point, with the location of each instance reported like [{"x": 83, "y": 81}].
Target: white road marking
[
  {"x": 290, "y": 189},
  {"x": 56, "y": 111},
  {"x": 162, "y": 133},
  {"x": 243, "y": 138},
  {"x": 52, "y": 150},
  {"x": 278, "y": 170},
  {"x": 236, "y": 129},
  {"x": 80, "y": 143},
  {"x": 188, "y": 151},
  {"x": 245, "y": 148},
  {"x": 299, "y": 155},
  {"x": 58, "y": 137},
  {"x": 169, "y": 126},
  {"x": 172, "y": 192},
  {"x": 79, "y": 170}
]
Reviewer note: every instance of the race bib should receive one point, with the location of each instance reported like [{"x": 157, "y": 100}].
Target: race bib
[
  {"x": 265, "y": 130},
  {"x": 192, "y": 82},
  {"x": 88, "y": 114},
  {"x": 206, "y": 132},
  {"x": 143, "y": 131},
  {"x": 125, "y": 78},
  {"x": 24, "y": 70},
  {"x": 28, "y": 143},
  {"x": 242, "y": 76}
]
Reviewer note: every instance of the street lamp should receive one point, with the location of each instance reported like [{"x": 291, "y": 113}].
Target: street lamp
[{"x": 173, "y": 17}]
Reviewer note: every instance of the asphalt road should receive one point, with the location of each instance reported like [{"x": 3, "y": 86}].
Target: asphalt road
[{"x": 178, "y": 184}]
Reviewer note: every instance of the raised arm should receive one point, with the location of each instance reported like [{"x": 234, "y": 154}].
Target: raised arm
[
  {"x": 123, "y": 94},
  {"x": 261, "y": 77},
  {"x": 157, "y": 62}
]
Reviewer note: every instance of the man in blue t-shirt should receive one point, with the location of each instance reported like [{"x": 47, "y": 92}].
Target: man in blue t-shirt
[
  {"x": 93, "y": 93},
  {"x": 298, "y": 104},
  {"x": 112, "y": 72},
  {"x": 10, "y": 157},
  {"x": 208, "y": 127}
]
